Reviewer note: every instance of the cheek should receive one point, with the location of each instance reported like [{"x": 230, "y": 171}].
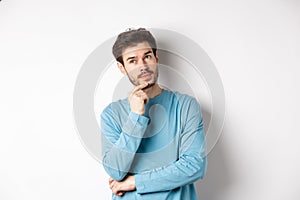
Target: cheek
[
  {"x": 153, "y": 68},
  {"x": 133, "y": 71}
]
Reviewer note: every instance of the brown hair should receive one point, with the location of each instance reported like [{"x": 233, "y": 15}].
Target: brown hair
[{"x": 131, "y": 38}]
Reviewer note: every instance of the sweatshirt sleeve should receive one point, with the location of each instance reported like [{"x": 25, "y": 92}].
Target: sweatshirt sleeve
[
  {"x": 191, "y": 164},
  {"x": 120, "y": 143}
]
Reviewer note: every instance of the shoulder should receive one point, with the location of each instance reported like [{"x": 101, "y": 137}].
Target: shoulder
[
  {"x": 115, "y": 107},
  {"x": 184, "y": 99}
]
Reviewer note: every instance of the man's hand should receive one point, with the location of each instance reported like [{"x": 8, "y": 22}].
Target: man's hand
[
  {"x": 138, "y": 98},
  {"x": 120, "y": 187}
]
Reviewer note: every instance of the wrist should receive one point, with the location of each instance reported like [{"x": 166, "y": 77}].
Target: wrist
[
  {"x": 132, "y": 180},
  {"x": 138, "y": 112}
]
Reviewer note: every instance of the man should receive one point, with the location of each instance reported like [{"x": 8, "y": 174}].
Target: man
[{"x": 153, "y": 141}]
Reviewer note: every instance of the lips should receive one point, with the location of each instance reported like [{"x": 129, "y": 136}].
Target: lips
[{"x": 145, "y": 75}]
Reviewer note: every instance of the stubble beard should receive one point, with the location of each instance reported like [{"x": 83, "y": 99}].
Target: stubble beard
[{"x": 135, "y": 80}]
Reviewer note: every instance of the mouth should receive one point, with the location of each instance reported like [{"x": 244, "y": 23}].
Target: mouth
[{"x": 145, "y": 75}]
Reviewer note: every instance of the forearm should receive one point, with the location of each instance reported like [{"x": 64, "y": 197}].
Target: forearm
[
  {"x": 185, "y": 171},
  {"x": 190, "y": 167},
  {"x": 118, "y": 149},
  {"x": 117, "y": 163}
]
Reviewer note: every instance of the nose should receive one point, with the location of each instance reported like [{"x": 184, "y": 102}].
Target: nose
[
  {"x": 143, "y": 68},
  {"x": 142, "y": 65}
]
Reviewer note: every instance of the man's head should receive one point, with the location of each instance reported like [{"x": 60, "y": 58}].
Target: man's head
[
  {"x": 136, "y": 55},
  {"x": 131, "y": 38}
]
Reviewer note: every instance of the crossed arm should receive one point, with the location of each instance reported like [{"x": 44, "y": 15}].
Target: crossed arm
[{"x": 124, "y": 142}]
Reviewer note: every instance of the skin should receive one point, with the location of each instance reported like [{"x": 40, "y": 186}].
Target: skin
[
  {"x": 140, "y": 65},
  {"x": 120, "y": 187}
]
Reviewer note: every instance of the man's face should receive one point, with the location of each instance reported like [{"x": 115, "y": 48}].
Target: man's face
[{"x": 140, "y": 64}]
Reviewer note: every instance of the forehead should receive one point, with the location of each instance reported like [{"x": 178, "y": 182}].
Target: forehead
[{"x": 136, "y": 50}]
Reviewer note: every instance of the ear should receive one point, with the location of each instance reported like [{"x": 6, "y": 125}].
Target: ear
[
  {"x": 121, "y": 68},
  {"x": 156, "y": 57}
]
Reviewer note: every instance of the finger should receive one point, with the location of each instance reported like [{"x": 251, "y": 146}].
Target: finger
[
  {"x": 110, "y": 180},
  {"x": 120, "y": 193},
  {"x": 139, "y": 93},
  {"x": 145, "y": 98},
  {"x": 111, "y": 184},
  {"x": 148, "y": 86},
  {"x": 139, "y": 87},
  {"x": 116, "y": 189}
]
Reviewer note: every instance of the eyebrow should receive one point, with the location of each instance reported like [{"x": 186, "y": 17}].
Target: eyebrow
[
  {"x": 129, "y": 58},
  {"x": 132, "y": 57},
  {"x": 148, "y": 52}
]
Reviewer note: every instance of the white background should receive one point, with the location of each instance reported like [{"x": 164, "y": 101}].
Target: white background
[{"x": 254, "y": 44}]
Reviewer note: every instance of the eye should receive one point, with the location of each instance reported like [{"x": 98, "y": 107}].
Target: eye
[
  {"x": 131, "y": 61},
  {"x": 147, "y": 56}
]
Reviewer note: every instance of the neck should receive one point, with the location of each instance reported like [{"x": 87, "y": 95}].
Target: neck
[{"x": 153, "y": 91}]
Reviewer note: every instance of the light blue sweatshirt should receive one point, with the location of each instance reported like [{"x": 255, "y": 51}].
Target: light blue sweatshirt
[{"x": 164, "y": 149}]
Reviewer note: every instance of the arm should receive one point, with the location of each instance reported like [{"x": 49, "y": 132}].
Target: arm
[
  {"x": 191, "y": 164},
  {"x": 119, "y": 144}
]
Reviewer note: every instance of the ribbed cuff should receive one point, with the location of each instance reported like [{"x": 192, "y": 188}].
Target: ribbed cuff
[{"x": 136, "y": 125}]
